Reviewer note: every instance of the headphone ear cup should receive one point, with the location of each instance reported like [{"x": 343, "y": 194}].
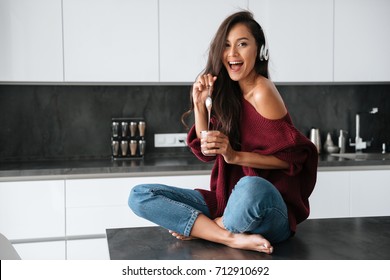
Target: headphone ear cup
[{"x": 263, "y": 53}]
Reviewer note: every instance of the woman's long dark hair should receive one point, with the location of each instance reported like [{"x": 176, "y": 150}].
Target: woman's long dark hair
[{"x": 226, "y": 93}]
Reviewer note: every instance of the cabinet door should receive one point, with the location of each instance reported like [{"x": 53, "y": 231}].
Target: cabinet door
[
  {"x": 362, "y": 40},
  {"x": 111, "y": 40},
  {"x": 34, "y": 209},
  {"x": 51, "y": 250},
  {"x": 87, "y": 249},
  {"x": 300, "y": 38},
  {"x": 330, "y": 198},
  {"x": 186, "y": 30},
  {"x": 31, "y": 41},
  {"x": 93, "y": 205},
  {"x": 370, "y": 193}
]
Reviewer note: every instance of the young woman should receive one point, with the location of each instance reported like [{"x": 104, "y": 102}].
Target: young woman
[{"x": 264, "y": 170}]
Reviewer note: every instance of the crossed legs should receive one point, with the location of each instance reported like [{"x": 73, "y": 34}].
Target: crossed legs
[{"x": 254, "y": 217}]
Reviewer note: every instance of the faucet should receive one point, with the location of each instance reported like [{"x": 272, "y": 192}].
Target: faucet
[{"x": 359, "y": 143}]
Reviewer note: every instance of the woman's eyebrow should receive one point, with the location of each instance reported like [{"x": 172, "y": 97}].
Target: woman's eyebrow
[{"x": 239, "y": 39}]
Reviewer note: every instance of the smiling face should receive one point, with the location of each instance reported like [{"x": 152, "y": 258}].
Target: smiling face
[{"x": 240, "y": 53}]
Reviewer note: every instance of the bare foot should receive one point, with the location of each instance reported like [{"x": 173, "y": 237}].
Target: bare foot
[
  {"x": 245, "y": 241},
  {"x": 253, "y": 242},
  {"x": 180, "y": 236},
  {"x": 218, "y": 221}
]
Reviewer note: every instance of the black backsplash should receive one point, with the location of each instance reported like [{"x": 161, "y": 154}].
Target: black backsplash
[
  {"x": 334, "y": 107},
  {"x": 73, "y": 122}
]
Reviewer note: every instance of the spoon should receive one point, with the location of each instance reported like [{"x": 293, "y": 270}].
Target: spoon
[{"x": 209, "y": 105}]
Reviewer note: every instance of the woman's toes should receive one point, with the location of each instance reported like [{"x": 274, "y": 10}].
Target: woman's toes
[{"x": 265, "y": 248}]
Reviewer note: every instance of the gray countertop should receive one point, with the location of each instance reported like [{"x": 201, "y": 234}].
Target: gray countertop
[
  {"x": 152, "y": 165},
  {"x": 366, "y": 238}
]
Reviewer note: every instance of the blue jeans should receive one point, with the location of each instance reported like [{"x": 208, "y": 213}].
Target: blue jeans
[{"x": 255, "y": 206}]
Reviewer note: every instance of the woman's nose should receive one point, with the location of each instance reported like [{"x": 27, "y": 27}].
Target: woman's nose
[{"x": 232, "y": 51}]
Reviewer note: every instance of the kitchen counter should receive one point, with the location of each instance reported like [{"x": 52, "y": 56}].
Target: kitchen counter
[
  {"x": 105, "y": 167},
  {"x": 178, "y": 164},
  {"x": 317, "y": 239}
]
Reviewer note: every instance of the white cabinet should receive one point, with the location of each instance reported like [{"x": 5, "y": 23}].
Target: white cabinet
[
  {"x": 33, "y": 209},
  {"x": 351, "y": 194},
  {"x": 300, "y": 38},
  {"x": 87, "y": 249},
  {"x": 186, "y": 30},
  {"x": 167, "y": 41},
  {"x": 49, "y": 250},
  {"x": 362, "y": 40},
  {"x": 111, "y": 40},
  {"x": 330, "y": 198},
  {"x": 31, "y": 212},
  {"x": 93, "y": 205},
  {"x": 370, "y": 193},
  {"x": 31, "y": 41}
]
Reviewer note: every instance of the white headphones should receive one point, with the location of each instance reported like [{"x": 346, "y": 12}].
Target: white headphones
[{"x": 264, "y": 54}]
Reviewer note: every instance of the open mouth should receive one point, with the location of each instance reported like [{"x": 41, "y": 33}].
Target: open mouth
[{"x": 235, "y": 65}]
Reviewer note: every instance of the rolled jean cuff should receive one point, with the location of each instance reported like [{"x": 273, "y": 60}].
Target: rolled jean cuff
[{"x": 190, "y": 224}]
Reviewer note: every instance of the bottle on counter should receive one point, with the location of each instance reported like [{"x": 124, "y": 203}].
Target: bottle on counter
[{"x": 342, "y": 141}]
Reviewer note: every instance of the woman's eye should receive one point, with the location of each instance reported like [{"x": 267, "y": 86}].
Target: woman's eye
[{"x": 242, "y": 44}]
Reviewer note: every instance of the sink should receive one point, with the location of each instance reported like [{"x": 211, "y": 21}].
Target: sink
[{"x": 364, "y": 156}]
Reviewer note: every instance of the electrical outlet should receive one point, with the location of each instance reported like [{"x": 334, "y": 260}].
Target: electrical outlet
[{"x": 170, "y": 140}]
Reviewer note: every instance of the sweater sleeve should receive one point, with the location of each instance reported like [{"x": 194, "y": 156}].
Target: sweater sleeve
[
  {"x": 280, "y": 139},
  {"x": 296, "y": 157}
]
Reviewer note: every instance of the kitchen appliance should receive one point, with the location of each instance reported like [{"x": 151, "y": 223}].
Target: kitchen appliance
[
  {"x": 315, "y": 137},
  {"x": 128, "y": 138}
]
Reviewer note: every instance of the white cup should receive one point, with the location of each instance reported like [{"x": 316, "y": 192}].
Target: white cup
[{"x": 204, "y": 135}]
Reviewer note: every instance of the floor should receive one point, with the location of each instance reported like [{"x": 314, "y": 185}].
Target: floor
[{"x": 317, "y": 239}]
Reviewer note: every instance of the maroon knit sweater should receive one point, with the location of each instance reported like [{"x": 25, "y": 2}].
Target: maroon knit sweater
[{"x": 267, "y": 137}]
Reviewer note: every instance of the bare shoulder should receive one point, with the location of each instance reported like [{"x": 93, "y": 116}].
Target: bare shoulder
[{"x": 267, "y": 100}]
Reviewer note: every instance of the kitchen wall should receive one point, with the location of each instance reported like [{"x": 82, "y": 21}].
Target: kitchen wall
[{"x": 73, "y": 122}]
